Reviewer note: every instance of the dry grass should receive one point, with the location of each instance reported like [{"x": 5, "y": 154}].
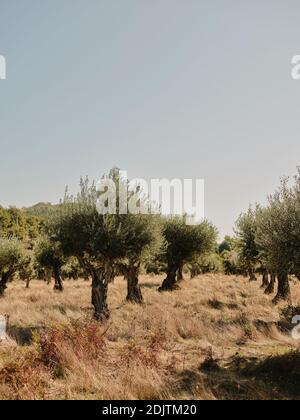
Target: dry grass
[{"x": 217, "y": 338}]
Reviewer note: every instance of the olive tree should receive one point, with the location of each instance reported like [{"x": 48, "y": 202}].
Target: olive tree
[
  {"x": 86, "y": 234},
  {"x": 139, "y": 238},
  {"x": 246, "y": 242},
  {"x": 278, "y": 235},
  {"x": 183, "y": 243},
  {"x": 49, "y": 255},
  {"x": 104, "y": 242},
  {"x": 206, "y": 263},
  {"x": 141, "y": 241},
  {"x": 27, "y": 271},
  {"x": 12, "y": 257}
]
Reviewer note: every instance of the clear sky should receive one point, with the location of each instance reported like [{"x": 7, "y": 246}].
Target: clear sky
[{"x": 160, "y": 88}]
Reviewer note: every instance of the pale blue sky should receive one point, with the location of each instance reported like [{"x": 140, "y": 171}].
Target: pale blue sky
[{"x": 161, "y": 88}]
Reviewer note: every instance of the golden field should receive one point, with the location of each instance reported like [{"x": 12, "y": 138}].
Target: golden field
[{"x": 219, "y": 337}]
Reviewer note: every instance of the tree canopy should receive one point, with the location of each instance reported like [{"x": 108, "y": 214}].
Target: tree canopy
[
  {"x": 16, "y": 223},
  {"x": 12, "y": 257},
  {"x": 183, "y": 243}
]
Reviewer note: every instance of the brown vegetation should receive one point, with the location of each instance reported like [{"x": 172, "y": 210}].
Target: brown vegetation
[{"x": 218, "y": 337}]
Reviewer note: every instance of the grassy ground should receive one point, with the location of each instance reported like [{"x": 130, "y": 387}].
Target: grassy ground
[{"x": 218, "y": 337}]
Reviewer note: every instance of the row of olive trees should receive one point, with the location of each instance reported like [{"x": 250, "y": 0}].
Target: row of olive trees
[
  {"x": 269, "y": 239},
  {"x": 106, "y": 244},
  {"x": 44, "y": 261},
  {"x": 102, "y": 246}
]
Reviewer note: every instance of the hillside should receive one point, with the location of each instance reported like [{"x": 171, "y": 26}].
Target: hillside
[{"x": 42, "y": 210}]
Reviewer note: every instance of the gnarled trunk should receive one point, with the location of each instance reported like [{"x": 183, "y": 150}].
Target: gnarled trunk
[
  {"x": 3, "y": 283},
  {"x": 58, "y": 284},
  {"x": 99, "y": 294},
  {"x": 3, "y": 287},
  {"x": 134, "y": 293},
  {"x": 284, "y": 291},
  {"x": 169, "y": 283},
  {"x": 180, "y": 276},
  {"x": 265, "y": 280},
  {"x": 112, "y": 275},
  {"x": 252, "y": 276},
  {"x": 271, "y": 286}
]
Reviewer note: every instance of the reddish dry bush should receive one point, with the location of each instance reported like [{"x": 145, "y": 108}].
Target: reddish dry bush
[
  {"x": 24, "y": 376},
  {"x": 83, "y": 340}
]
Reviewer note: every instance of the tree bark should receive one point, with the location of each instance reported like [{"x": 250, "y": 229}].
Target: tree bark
[
  {"x": 2, "y": 288},
  {"x": 193, "y": 272},
  {"x": 180, "y": 276},
  {"x": 58, "y": 284},
  {"x": 3, "y": 283},
  {"x": 265, "y": 280},
  {"x": 112, "y": 276},
  {"x": 271, "y": 286},
  {"x": 134, "y": 293},
  {"x": 99, "y": 294},
  {"x": 284, "y": 291},
  {"x": 252, "y": 275},
  {"x": 27, "y": 283},
  {"x": 169, "y": 284}
]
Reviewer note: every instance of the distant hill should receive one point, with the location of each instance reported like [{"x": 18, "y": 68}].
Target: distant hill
[{"x": 43, "y": 210}]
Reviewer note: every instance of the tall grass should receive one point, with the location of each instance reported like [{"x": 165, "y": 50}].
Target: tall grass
[{"x": 183, "y": 344}]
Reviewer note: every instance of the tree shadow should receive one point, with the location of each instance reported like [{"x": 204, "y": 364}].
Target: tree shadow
[
  {"x": 272, "y": 378},
  {"x": 23, "y": 336}
]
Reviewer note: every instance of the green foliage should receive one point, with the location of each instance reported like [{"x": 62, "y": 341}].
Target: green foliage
[
  {"x": 185, "y": 242},
  {"x": 85, "y": 233},
  {"x": 12, "y": 258},
  {"x": 48, "y": 254},
  {"x": 211, "y": 263},
  {"x": 27, "y": 270},
  {"x": 227, "y": 245},
  {"x": 16, "y": 223},
  {"x": 278, "y": 231},
  {"x": 72, "y": 270},
  {"x": 99, "y": 239},
  {"x": 232, "y": 263},
  {"x": 206, "y": 263},
  {"x": 246, "y": 229}
]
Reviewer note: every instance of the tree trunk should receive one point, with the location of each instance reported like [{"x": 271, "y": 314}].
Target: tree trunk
[
  {"x": 271, "y": 287},
  {"x": 48, "y": 276},
  {"x": 99, "y": 294},
  {"x": 2, "y": 288},
  {"x": 265, "y": 280},
  {"x": 112, "y": 275},
  {"x": 27, "y": 283},
  {"x": 58, "y": 284},
  {"x": 134, "y": 293},
  {"x": 193, "y": 272},
  {"x": 284, "y": 291},
  {"x": 3, "y": 283},
  {"x": 180, "y": 276},
  {"x": 252, "y": 275},
  {"x": 169, "y": 284}
]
